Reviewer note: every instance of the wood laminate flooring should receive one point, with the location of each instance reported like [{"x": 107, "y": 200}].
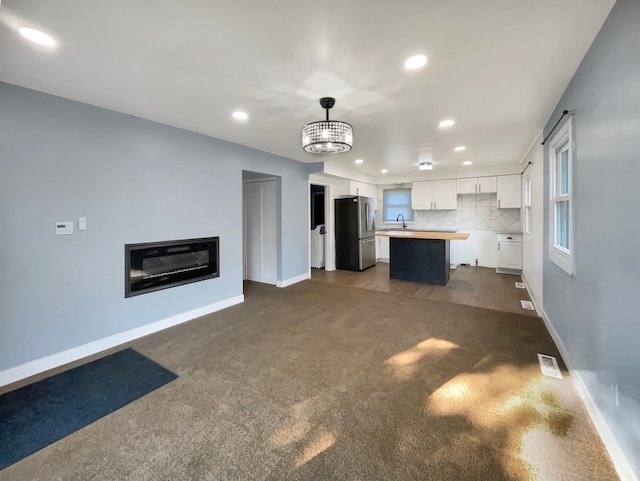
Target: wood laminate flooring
[{"x": 471, "y": 286}]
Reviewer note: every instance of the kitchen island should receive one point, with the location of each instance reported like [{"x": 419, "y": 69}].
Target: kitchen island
[{"x": 420, "y": 256}]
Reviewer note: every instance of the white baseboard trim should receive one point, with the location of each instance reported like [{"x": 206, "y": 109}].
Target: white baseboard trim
[
  {"x": 293, "y": 280},
  {"x": 620, "y": 462},
  {"x": 43, "y": 364}
]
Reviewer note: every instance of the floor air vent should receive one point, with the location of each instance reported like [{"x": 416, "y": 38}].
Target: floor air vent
[
  {"x": 528, "y": 305},
  {"x": 549, "y": 366},
  {"x": 520, "y": 285}
]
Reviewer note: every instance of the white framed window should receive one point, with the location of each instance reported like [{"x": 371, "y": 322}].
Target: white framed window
[
  {"x": 527, "y": 205},
  {"x": 396, "y": 202},
  {"x": 561, "y": 239}
]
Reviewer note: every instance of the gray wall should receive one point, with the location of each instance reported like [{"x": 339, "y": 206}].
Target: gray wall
[
  {"x": 596, "y": 312},
  {"x": 134, "y": 181}
]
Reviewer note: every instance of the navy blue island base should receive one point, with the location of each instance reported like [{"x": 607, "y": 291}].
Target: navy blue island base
[{"x": 419, "y": 260}]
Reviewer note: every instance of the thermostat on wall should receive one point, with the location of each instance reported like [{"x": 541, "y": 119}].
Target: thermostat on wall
[{"x": 63, "y": 228}]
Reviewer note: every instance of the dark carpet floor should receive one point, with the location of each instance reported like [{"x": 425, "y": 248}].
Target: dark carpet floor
[{"x": 324, "y": 382}]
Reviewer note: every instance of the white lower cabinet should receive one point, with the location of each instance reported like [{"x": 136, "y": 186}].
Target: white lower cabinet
[
  {"x": 382, "y": 249},
  {"x": 509, "y": 252}
]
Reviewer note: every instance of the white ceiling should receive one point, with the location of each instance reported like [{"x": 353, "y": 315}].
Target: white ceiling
[{"x": 497, "y": 67}]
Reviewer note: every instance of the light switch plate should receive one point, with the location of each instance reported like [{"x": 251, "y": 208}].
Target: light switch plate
[
  {"x": 64, "y": 228},
  {"x": 82, "y": 223}
]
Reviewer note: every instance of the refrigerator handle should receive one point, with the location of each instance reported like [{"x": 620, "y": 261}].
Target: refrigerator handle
[{"x": 367, "y": 213}]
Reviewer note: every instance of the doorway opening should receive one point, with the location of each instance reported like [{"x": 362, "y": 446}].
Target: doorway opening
[
  {"x": 317, "y": 205},
  {"x": 318, "y": 214}
]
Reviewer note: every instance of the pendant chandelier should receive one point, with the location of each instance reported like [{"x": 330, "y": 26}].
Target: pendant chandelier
[{"x": 327, "y": 136}]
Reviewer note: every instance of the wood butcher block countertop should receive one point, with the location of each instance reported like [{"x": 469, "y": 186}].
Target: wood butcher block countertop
[{"x": 403, "y": 234}]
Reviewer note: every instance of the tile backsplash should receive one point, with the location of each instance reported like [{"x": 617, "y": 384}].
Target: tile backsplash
[{"x": 474, "y": 212}]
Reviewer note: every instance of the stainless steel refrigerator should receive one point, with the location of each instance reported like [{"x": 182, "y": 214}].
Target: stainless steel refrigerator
[{"x": 355, "y": 233}]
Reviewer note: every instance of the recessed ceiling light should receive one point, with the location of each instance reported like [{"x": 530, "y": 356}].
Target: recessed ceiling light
[
  {"x": 359, "y": 161},
  {"x": 460, "y": 148},
  {"x": 415, "y": 62},
  {"x": 446, "y": 123},
  {"x": 384, "y": 171},
  {"x": 468, "y": 162},
  {"x": 36, "y": 36},
  {"x": 240, "y": 115}
]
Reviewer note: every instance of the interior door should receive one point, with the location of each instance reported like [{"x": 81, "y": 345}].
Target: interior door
[
  {"x": 253, "y": 230},
  {"x": 260, "y": 231}
]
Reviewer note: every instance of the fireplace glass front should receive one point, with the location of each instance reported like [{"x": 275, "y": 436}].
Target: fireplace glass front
[{"x": 159, "y": 265}]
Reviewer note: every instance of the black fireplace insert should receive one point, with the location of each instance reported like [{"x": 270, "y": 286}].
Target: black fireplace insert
[{"x": 158, "y": 265}]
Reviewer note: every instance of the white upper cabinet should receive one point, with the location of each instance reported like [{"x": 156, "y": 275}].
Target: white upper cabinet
[
  {"x": 434, "y": 195},
  {"x": 477, "y": 185},
  {"x": 361, "y": 188},
  {"x": 468, "y": 186},
  {"x": 487, "y": 185},
  {"x": 509, "y": 192},
  {"x": 353, "y": 187},
  {"x": 445, "y": 195},
  {"x": 422, "y": 195}
]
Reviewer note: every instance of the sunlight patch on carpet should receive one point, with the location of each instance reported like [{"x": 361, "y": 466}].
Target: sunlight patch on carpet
[
  {"x": 320, "y": 442},
  {"x": 530, "y": 414},
  {"x": 404, "y": 364},
  {"x": 298, "y": 425}
]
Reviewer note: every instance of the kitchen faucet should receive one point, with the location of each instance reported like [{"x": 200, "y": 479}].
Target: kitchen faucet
[{"x": 404, "y": 226}]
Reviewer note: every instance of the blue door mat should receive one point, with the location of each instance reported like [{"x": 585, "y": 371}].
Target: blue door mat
[{"x": 46, "y": 411}]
